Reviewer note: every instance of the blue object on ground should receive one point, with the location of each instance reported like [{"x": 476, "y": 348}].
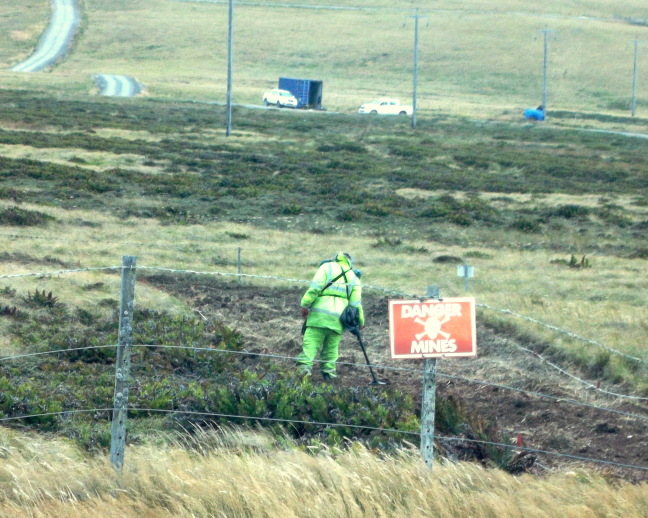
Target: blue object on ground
[{"x": 537, "y": 114}]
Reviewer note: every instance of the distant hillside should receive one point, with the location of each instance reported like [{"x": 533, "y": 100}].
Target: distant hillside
[{"x": 475, "y": 58}]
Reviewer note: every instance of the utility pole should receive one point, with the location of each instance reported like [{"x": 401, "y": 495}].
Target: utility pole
[
  {"x": 634, "y": 76},
  {"x": 416, "y": 17},
  {"x": 545, "y": 32},
  {"x": 230, "y": 30}
]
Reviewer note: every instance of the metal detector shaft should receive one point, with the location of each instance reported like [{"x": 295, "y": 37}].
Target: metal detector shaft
[{"x": 356, "y": 332}]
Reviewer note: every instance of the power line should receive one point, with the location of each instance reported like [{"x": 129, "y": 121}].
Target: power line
[
  {"x": 416, "y": 17},
  {"x": 230, "y": 31}
]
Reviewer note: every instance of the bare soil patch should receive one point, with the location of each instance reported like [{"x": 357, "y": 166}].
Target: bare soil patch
[
  {"x": 270, "y": 323},
  {"x": 20, "y": 35}
]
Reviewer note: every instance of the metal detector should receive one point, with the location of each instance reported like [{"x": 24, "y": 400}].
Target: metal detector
[{"x": 356, "y": 331}]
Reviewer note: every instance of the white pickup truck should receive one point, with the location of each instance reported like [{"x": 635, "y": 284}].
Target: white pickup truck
[{"x": 386, "y": 107}]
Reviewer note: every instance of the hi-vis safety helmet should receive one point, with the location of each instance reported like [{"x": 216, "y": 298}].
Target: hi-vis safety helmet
[{"x": 344, "y": 257}]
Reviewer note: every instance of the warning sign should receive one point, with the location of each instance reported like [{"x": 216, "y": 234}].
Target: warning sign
[{"x": 432, "y": 328}]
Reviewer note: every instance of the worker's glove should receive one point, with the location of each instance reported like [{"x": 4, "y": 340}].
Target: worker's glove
[{"x": 304, "y": 312}]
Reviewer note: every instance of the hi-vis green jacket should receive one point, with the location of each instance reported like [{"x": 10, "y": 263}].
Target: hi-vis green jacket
[{"x": 326, "y": 307}]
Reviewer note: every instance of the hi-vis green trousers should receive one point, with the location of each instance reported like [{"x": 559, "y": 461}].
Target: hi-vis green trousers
[{"x": 314, "y": 339}]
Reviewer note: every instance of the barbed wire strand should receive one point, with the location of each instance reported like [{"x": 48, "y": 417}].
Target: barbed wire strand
[
  {"x": 564, "y": 331},
  {"x": 418, "y": 371},
  {"x": 384, "y": 290},
  {"x": 338, "y": 425},
  {"x": 546, "y": 452},
  {"x": 57, "y": 351},
  {"x": 359, "y": 365},
  {"x": 60, "y": 272},
  {"x": 405, "y": 369},
  {"x": 416, "y": 297},
  {"x": 587, "y": 383},
  {"x": 224, "y": 274}
]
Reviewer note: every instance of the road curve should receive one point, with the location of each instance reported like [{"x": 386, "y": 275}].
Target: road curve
[
  {"x": 56, "y": 40},
  {"x": 117, "y": 85}
]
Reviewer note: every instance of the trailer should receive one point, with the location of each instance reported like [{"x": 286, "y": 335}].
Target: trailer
[{"x": 307, "y": 91}]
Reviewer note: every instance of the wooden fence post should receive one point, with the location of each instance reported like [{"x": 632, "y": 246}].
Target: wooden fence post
[
  {"x": 428, "y": 404},
  {"x": 428, "y": 409},
  {"x": 122, "y": 370}
]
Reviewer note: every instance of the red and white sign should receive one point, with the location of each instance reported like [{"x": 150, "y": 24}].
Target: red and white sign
[{"x": 432, "y": 328}]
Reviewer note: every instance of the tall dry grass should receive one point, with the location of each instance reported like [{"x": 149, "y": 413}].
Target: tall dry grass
[{"x": 245, "y": 474}]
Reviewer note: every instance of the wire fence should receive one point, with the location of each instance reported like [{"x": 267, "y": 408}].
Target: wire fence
[
  {"x": 344, "y": 425},
  {"x": 387, "y": 368},
  {"x": 540, "y": 395},
  {"x": 385, "y": 291}
]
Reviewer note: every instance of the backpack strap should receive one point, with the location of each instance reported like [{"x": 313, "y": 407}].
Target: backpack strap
[
  {"x": 343, "y": 274},
  {"x": 346, "y": 284}
]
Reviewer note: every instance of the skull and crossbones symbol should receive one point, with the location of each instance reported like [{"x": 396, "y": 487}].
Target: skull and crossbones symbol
[{"x": 432, "y": 327}]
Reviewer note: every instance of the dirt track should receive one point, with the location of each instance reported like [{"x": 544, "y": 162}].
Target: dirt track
[{"x": 269, "y": 321}]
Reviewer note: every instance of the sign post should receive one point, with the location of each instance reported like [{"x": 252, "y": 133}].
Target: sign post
[
  {"x": 466, "y": 271},
  {"x": 431, "y": 329},
  {"x": 428, "y": 411}
]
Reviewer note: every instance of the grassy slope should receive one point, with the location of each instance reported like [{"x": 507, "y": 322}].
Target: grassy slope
[{"x": 474, "y": 59}]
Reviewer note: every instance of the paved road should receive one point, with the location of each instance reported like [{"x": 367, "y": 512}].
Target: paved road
[
  {"x": 55, "y": 44},
  {"x": 117, "y": 85},
  {"x": 56, "y": 40}
]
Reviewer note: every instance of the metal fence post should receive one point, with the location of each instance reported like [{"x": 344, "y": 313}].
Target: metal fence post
[{"x": 122, "y": 370}]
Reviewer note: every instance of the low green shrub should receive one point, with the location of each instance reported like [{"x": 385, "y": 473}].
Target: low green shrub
[
  {"x": 639, "y": 253},
  {"x": 341, "y": 146},
  {"x": 238, "y": 235},
  {"x": 569, "y": 211},
  {"x": 529, "y": 225},
  {"x": 17, "y": 217},
  {"x": 573, "y": 262},
  {"x": 41, "y": 299}
]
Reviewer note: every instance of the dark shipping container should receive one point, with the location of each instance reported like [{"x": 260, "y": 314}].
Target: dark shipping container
[{"x": 307, "y": 91}]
